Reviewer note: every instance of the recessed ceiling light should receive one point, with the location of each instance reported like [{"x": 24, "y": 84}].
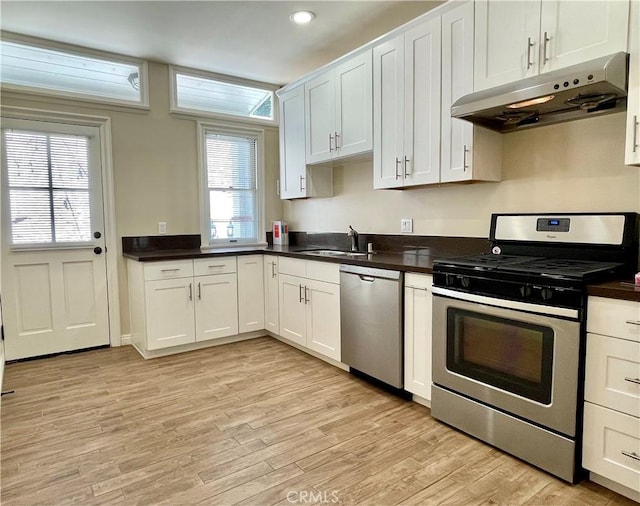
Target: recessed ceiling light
[{"x": 302, "y": 17}]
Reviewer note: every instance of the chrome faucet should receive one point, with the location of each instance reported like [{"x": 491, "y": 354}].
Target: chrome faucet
[{"x": 354, "y": 238}]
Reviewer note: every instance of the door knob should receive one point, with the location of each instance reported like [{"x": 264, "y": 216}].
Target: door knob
[{"x": 97, "y": 250}]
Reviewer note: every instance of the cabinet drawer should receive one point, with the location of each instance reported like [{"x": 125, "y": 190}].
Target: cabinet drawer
[
  {"x": 611, "y": 317},
  {"x": 292, "y": 266},
  {"x": 168, "y": 270},
  {"x": 214, "y": 265},
  {"x": 611, "y": 445},
  {"x": 419, "y": 281},
  {"x": 613, "y": 373},
  {"x": 323, "y": 271}
]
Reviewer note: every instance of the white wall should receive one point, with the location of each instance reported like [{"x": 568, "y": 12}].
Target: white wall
[{"x": 576, "y": 166}]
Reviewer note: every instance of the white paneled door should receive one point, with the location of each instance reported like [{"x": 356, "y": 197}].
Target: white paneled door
[{"x": 54, "y": 282}]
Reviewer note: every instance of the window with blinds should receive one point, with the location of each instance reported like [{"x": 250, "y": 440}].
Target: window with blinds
[
  {"x": 231, "y": 165},
  {"x": 48, "y": 183}
]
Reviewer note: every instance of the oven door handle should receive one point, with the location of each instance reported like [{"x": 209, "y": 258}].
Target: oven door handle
[{"x": 506, "y": 303}]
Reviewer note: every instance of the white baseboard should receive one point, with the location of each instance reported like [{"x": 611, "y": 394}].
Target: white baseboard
[
  {"x": 125, "y": 339},
  {"x": 634, "y": 495}
]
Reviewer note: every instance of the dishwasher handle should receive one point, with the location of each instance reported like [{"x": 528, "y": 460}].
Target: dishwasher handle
[
  {"x": 369, "y": 279},
  {"x": 371, "y": 272}
]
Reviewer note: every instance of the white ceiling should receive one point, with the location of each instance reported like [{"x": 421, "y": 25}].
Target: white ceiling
[{"x": 254, "y": 40}]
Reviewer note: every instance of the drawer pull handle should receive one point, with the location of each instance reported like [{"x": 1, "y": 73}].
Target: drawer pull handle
[
  {"x": 633, "y": 380},
  {"x": 632, "y": 455},
  {"x": 216, "y": 266},
  {"x": 169, "y": 270},
  {"x": 633, "y": 322}
]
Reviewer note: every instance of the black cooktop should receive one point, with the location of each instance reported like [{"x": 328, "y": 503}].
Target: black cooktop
[{"x": 561, "y": 268}]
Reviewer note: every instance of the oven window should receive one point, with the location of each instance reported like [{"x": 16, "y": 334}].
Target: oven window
[{"x": 508, "y": 354}]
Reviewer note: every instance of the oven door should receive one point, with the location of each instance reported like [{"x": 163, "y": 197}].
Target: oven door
[{"x": 510, "y": 355}]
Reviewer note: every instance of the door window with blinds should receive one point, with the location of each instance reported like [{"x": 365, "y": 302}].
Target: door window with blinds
[
  {"x": 231, "y": 166},
  {"x": 48, "y": 187}
]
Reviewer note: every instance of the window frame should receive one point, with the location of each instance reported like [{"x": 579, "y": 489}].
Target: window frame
[
  {"x": 203, "y": 188},
  {"x": 174, "y": 70},
  {"x": 143, "y": 70},
  {"x": 44, "y": 126}
]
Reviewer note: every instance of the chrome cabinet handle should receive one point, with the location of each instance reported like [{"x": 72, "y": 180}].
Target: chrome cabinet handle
[
  {"x": 546, "y": 40},
  {"x": 632, "y": 322},
  {"x": 337, "y": 137},
  {"x": 301, "y": 181},
  {"x": 216, "y": 266},
  {"x": 464, "y": 158},
  {"x": 190, "y": 291},
  {"x": 632, "y": 455},
  {"x": 306, "y": 295},
  {"x": 330, "y": 140},
  {"x": 529, "y": 46},
  {"x": 169, "y": 270},
  {"x": 273, "y": 269},
  {"x": 300, "y": 293},
  {"x": 633, "y": 380},
  {"x": 636, "y": 123},
  {"x": 398, "y": 162},
  {"x": 199, "y": 292},
  {"x": 406, "y": 161}
]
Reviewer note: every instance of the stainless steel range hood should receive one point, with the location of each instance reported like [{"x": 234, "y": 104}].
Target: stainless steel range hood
[{"x": 580, "y": 91}]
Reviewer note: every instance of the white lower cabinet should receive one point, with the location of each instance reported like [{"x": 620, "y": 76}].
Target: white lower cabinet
[
  {"x": 250, "y": 293},
  {"x": 181, "y": 302},
  {"x": 271, "y": 304},
  {"x": 309, "y": 305},
  {"x": 417, "y": 334},
  {"x": 611, "y": 439},
  {"x": 169, "y": 313}
]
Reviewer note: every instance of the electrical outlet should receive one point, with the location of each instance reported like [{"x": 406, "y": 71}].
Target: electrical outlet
[
  {"x": 406, "y": 225},
  {"x": 162, "y": 227}
]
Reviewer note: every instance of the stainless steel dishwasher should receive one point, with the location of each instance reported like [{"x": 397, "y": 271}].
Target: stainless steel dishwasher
[{"x": 371, "y": 322}]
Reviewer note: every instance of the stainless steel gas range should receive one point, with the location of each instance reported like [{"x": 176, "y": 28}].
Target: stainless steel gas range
[{"x": 509, "y": 331}]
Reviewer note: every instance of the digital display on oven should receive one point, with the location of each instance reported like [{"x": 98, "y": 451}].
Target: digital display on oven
[{"x": 553, "y": 224}]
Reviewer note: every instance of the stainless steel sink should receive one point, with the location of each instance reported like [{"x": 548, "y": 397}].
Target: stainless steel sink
[{"x": 334, "y": 253}]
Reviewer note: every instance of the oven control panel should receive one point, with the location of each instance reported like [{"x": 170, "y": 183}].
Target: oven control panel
[{"x": 553, "y": 224}]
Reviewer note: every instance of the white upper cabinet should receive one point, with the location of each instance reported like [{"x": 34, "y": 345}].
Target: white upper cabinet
[
  {"x": 517, "y": 39},
  {"x": 632, "y": 150},
  {"x": 467, "y": 152},
  {"x": 406, "y": 124},
  {"x": 338, "y": 109},
  {"x": 296, "y": 180}
]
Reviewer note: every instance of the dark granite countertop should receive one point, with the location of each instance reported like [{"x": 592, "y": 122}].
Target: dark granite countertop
[
  {"x": 414, "y": 256},
  {"x": 621, "y": 289}
]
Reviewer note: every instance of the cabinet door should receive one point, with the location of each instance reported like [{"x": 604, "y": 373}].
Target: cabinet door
[
  {"x": 292, "y": 151},
  {"x": 322, "y": 302},
  {"x": 577, "y": 31},
  {"x": 250, "y": 293},
  {"x": 506, "y": 41},
  {"x": 422, "y": 84},
  {"x": 271, "y": 303},
  {"x": 216, "y": 306},
  {"x": 293, "y": 323},
  {"x": 632, "y": 149},
  {"x": 320, "y": 118},
  {"x": 388, "y": 113},
  {"x": 169, "y": 312},
  {"x": 417, "y": 336},
  {"x": 457, "y": 81},
  {"x": 354, "y": 106}
]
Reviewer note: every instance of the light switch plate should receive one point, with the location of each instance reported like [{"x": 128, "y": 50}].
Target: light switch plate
[
  {"x": 162, "y": 227},
  {"x": 406, "y": 225}
]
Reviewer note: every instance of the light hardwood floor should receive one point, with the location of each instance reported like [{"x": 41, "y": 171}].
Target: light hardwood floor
[{"x": 250, "y": 423}]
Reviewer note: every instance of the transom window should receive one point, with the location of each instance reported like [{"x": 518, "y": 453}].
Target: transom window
[
  {"x": 194, "y": 91},
  {"x": 231, "y": 167},
  {"x": 36, "y": 68},
  {"x": 49, "y": 191}
]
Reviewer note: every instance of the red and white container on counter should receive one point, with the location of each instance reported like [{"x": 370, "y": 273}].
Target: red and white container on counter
[{"x": 280, "y": 233}]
